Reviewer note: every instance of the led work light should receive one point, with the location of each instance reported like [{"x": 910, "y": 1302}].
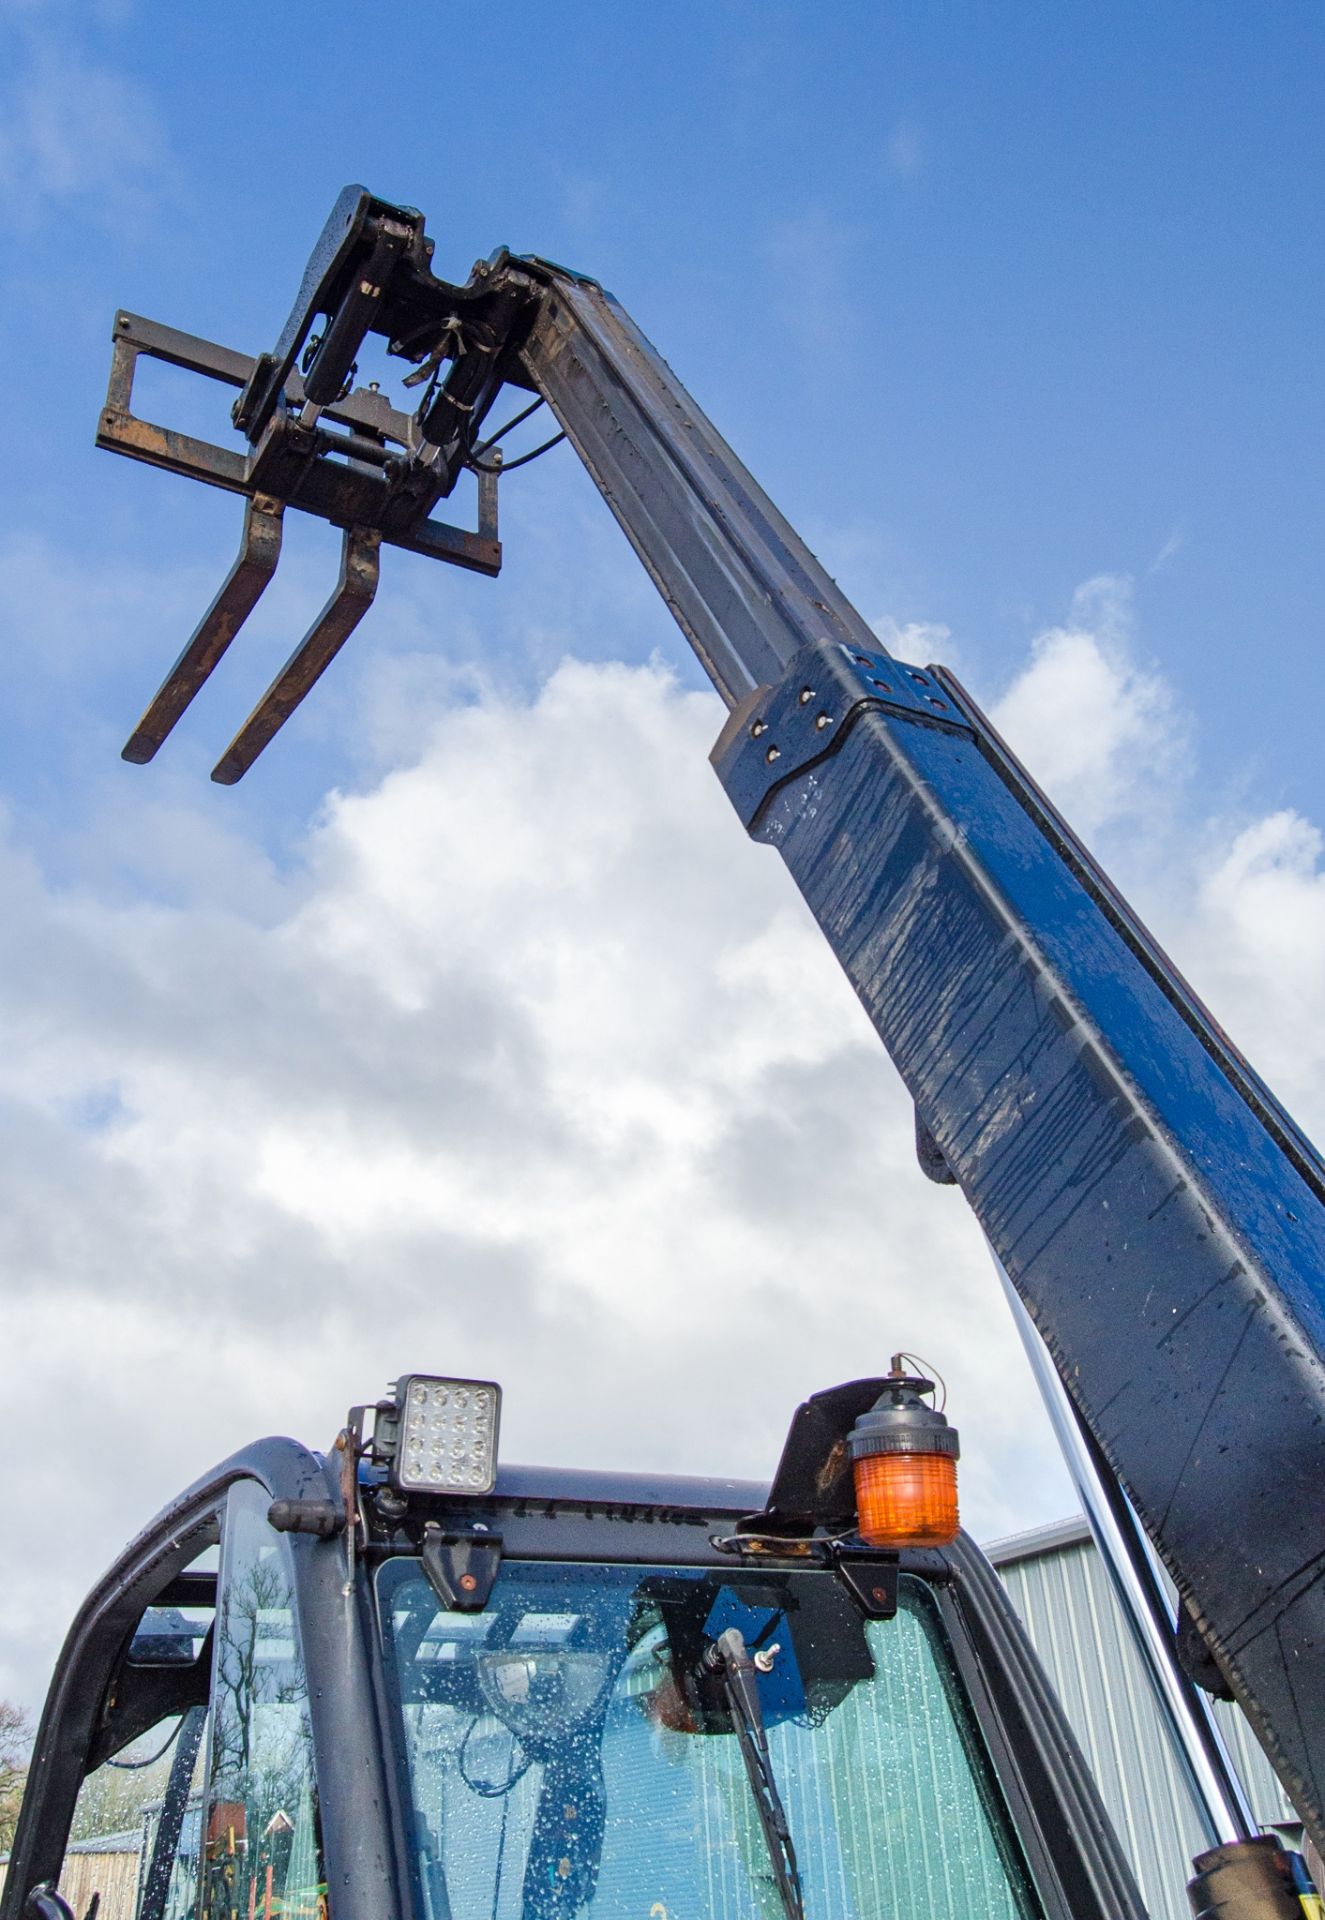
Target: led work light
[{"x": 445, "y": 1438}]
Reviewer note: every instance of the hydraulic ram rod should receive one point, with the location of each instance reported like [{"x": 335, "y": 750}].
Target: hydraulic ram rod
[{"x": 1161, "y": 1217}]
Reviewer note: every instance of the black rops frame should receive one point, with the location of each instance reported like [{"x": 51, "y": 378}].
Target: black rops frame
[
  {"x": 1074, "y": 1857},
  {"x": 360, "y": 1846}
]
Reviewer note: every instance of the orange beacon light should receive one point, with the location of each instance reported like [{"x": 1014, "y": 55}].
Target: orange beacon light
[{"x": 904, "y": 1462}]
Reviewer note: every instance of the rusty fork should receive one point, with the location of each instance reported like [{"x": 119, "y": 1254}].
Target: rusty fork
[
  {"x": 359, "y": 571},
  {"x": 255, "y": 563}
]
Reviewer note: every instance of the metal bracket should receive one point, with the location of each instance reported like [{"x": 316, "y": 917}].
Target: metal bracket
[
  {"x": 781, "y": 731},
  {"x": 930, "y": 1154},
  {"x": 461, "y": 1567},
  {"x": 812, "y": 1487},
  {"x": 872, "y": 1584},
  {"x": 344, "y": 477},
  {"x": 347, "y": 476}
]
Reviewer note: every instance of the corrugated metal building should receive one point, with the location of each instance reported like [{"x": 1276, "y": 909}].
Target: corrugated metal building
[{"x": 1060, "y": 1587}]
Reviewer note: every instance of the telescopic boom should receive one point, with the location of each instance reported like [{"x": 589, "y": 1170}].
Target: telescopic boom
[{"x": 1158, "y": 1212}]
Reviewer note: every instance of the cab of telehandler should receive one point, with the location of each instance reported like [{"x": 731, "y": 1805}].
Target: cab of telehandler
[{"x": 376, "y": 1682}]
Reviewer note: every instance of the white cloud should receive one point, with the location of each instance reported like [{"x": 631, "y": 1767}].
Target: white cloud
[
  {"x": 1169, "y": 550},
  {"x": 527, "y": 1064},
  {"x": 811, "y": 256},
  {"x": 905, "y": 151},
  {"x": 1237, "y": 899},
  {"x": 1100, "y": 732},
  {"x": 534, "y": 1067},
  {"x": 1257, "y": 935},
  {"x": 917, "y": 641}
]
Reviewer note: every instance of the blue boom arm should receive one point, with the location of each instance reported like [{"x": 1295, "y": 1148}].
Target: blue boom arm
[{"x": 1159, "y": 1213}]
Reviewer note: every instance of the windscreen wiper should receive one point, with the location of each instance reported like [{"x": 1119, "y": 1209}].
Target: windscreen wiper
[{"x": 729, "y": 1658}]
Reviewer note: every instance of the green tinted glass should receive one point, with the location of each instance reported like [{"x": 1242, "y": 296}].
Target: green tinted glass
[
  {"x": 562, "y": 1757},
  {"x": 262, "y": 1852}
]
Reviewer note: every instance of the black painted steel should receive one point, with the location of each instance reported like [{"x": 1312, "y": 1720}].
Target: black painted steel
[
  {"x": 348, "y": 245},
  {"x": 342, "y": 490},
  {"x": 813, "y": 1484},
  {"x": 357, "y": 476},
  {"x": 44, "y": 1903},
  {"x": 358, "y": 1840},
  {"x": 742, "y": 585},
  {"x": 1158, "y": 1214},
  {"x": 156, "y": 1880},
  {"x": 461, "y": 1566},
  {"x": 74, "y": 1704},
  {"x": 1069, "y": 1843}
]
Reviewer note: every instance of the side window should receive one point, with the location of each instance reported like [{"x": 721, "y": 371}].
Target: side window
[
  {"x": 261, "y": 1842},
  {"x": 133, "y": 1848}
]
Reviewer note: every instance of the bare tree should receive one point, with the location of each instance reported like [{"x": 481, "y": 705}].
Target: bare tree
[{"x": 15, "y": 1738}]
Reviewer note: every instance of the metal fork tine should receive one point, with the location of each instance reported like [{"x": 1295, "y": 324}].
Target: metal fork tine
[
  {"x": 255, "y": 563},
  {"x": 311, "y": 658}
]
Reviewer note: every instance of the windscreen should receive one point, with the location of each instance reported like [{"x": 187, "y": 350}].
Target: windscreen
[{"x": 569, "y": 1751}]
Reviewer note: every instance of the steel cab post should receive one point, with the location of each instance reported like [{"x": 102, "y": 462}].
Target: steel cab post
[{"x": 398, "y": 1679}]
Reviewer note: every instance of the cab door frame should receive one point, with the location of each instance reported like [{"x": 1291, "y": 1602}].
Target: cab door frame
[{"x": 359, "y": 1832}]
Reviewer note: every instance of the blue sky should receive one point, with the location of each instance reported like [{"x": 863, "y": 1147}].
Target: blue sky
[
  {"x": 992, "y": 299},
  {"x": 471, "y": 1001}
]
